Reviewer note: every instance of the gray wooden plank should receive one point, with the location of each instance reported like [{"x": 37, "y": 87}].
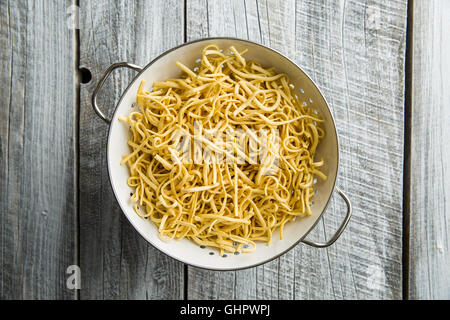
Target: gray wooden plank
[
  {"x": 430, "y": 166},
  {"x": 37, "y": 150},
  {"x": 115, "y": 261},
  {"x": 354, "y": 50}
]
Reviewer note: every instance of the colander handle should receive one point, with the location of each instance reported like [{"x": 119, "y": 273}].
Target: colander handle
[
  {"x": 102, "y": 80},
  {"x": 341, "y": 228}
]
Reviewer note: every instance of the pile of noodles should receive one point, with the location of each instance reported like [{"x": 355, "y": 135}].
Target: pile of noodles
[{"x": 226, "y": 193}]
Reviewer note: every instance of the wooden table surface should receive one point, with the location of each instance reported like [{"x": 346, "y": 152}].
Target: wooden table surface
[{"x": 384, "y": 67}]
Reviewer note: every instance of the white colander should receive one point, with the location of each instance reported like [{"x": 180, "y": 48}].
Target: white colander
[{"x": 163, "y": 68}]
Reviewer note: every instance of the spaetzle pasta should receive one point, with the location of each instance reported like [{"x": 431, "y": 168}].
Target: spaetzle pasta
[{"x": 227, "y": 193}]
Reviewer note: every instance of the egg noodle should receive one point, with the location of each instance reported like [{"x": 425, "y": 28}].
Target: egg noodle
[{"x": 228, "y": 189}]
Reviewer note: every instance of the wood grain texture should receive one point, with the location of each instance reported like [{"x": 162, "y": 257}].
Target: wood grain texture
[
  {"x": 430, "y": 165},
  {"x": 354, "y": 50},
  {"x": 37, "y": 150},
  {"x": 115, "y": 261}
]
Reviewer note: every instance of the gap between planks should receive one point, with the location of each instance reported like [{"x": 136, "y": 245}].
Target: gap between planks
[
  {"x": 77, "y": 103},
  {"x": 407, "y": 150}
]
